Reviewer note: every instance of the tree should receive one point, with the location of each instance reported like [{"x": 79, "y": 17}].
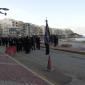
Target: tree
[{"x": 5, "y": 9}]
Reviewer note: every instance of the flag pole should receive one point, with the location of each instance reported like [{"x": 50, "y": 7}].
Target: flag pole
[{"x": 47, "y": 46}]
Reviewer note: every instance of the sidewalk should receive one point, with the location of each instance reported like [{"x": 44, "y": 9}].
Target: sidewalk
[
  {"x": 60, "y": 77},
  {"x": 55, "y": 75},
  {"x": 13, "y": 73},
  {"x": 68, "y": 49}
]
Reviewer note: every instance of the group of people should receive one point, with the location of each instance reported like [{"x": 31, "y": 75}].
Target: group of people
[
  {"x": 25, "y": 44},
  {"x": 54, "y": 40}
]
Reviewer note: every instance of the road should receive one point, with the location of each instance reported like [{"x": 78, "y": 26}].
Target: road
[
  {"x": 14, "y": 73},
  {"x": 71, "y": 64}
]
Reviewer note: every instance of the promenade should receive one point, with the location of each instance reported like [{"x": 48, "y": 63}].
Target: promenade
[
  {"x": 68, "y": 67},
  {"x": 14, "y": 73}
]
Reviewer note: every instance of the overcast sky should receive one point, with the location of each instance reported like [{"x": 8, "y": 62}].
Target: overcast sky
[{"x": 60, "y": 13}]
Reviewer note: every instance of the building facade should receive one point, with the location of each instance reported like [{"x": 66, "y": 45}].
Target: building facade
[{"x": 11, "y": 27}]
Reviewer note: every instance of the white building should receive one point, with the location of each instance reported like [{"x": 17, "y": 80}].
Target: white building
[{"x": 10, "y": 27}]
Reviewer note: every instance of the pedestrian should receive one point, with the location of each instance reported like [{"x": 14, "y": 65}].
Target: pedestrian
[
  {"x": 55, "y": 40},
  {"x": 38, "y": 42},
  {"x": 27, "y": 45}
]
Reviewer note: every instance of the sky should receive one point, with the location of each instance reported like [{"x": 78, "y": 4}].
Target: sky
[{"x": 60, "y": 13}]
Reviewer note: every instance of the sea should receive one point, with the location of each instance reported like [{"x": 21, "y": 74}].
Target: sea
[
  {"x": 76, "y": 42},
  {"x": 80, "y": 39}
]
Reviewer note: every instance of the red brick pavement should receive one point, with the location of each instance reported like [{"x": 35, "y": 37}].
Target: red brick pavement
[
  {"x": 5, "y": 59},
  {"x": 10, "y": 70}
]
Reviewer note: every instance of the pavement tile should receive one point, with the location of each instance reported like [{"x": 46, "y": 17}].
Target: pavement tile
[{"x": 16, "y": 72}]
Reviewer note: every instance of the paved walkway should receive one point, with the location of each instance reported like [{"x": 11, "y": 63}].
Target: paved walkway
[
  {"x": 12, "y": 73},
  {"x": 23, "y": 76}
]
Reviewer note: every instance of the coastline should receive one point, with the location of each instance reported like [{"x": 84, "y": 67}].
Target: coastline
[{"x": 73, "y": 42}]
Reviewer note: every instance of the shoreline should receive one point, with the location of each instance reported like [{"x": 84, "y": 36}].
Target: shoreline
[{"x": 75, "y": 44}]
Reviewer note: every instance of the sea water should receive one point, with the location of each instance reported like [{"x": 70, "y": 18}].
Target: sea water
[{"x": 80, "y": 39}]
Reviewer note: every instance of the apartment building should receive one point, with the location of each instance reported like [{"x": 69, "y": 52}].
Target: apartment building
[{"x": 11, "y": 27}]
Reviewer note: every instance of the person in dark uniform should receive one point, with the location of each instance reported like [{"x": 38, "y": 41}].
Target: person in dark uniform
[
  {"x": 6, "y": 41},
  {"x": 38, "y": 42},
  {"x": 0, "y": 41},
  {"x": 33, "y": 43},
  {"x": 27, "y": 45},
  {"x": 55, "y": 40}
]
